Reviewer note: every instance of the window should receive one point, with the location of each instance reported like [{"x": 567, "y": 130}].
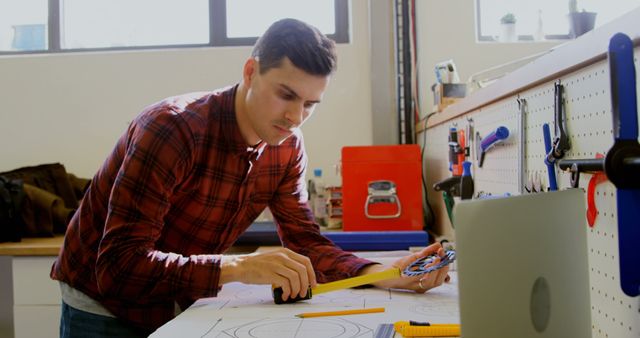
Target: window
[
  {"x": 22, "y": 29},
  {"x": 124, "y": 23},
  {"x": 37, "y": 26},
  {"x": 541, "y": 19},
  {"x": 236, "y": 25}
]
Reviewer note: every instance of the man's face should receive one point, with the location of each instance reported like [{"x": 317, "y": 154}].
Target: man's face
[{"x": 279, "y": 101}]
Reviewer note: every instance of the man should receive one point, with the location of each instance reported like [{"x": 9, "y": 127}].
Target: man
[{"x": 187, "y": 178}]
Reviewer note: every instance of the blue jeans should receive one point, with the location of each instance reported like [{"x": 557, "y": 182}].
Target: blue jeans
[{"x": 75, "y": 323}]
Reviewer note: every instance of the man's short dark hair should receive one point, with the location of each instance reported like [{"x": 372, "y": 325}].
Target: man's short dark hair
[{"x": 304, "y": 45}]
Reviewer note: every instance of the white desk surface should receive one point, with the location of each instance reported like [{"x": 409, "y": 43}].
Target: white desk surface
[{"x": 242, "y": 310}]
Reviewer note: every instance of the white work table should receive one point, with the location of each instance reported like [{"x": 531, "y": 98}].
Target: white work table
[
  {"x": 242, "y": 310},
  {"x": 29, "y": 297}
]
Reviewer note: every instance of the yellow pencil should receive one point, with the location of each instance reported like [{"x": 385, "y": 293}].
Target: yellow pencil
[{"x": 340, "y": 313}]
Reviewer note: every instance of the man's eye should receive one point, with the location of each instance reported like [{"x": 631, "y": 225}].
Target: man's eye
[
  {"x": 286, "y": 96},
  {"x": 309, "y": 105}
]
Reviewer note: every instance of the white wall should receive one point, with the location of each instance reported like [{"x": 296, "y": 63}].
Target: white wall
[
  {"x": 446, "y": 30},
  {"x": 71, "y": 108}
]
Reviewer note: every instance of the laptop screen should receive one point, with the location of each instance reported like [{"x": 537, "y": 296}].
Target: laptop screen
[{"x": 522, "y": 266}]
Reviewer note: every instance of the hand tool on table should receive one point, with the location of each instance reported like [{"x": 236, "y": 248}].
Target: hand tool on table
[{"x": 419, "y": 329}]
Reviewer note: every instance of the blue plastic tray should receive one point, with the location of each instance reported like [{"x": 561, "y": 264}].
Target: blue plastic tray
[{"x": 378, "y": 240}]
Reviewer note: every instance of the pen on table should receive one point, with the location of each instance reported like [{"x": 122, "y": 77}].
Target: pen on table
[{"x": 340, "y": 313}]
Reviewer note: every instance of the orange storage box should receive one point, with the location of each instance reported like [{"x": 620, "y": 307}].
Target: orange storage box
[{"x": 382, "y": 188}]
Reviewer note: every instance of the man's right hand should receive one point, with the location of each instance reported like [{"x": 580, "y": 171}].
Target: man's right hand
[{"x": 281, "y": 267}]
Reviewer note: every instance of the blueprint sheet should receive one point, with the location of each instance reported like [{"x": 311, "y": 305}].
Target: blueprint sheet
[{"x": 242, "y": 310}]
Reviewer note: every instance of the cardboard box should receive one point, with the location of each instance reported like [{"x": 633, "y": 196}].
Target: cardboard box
[{"x": 445, "y": 94}]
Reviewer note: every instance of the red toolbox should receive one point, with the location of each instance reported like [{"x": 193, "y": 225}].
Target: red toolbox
[{"x": 382, "y": 188}]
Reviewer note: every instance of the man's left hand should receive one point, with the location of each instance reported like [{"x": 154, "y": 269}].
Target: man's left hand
[{"x": 419, "y": 284}]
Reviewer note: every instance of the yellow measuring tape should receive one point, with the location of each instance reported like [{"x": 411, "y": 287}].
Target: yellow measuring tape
[
  {"x": 411, "y": 329},
  {"x": 356, "y": 281},
  {"x": 339, "y": 285}
]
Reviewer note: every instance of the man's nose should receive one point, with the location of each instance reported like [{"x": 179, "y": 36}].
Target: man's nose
[{"x": 295, "y": 114}]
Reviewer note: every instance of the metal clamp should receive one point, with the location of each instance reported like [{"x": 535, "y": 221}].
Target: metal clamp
[{"x": 382, "y": 191}]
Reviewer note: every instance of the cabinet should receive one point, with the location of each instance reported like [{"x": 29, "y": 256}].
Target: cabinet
[{"x": 29, "y": 299}]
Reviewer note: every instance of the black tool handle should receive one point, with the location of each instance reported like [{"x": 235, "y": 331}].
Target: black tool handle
[
  {"x": 450, "y": 185},
  {"x": 561, "y": 142},
  {"x": 277, "y": 296},
  {"x": 590, "y": 165},
  {"x": 454, "y": 146}
]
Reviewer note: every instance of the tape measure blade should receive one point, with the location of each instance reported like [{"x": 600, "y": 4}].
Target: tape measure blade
[{"x": 357, "y": 281}]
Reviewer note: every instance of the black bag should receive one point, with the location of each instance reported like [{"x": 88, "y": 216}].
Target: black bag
[{"x": 11, "y": 198}]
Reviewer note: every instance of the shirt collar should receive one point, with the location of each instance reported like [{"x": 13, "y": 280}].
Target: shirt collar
[{"x": 231, "y": 131}]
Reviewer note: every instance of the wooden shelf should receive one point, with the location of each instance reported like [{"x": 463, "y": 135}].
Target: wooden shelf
[{"x": 49, "y": 246}]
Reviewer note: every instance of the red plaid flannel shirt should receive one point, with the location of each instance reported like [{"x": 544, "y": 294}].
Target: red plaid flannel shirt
[{"x": 178, "y": 189}]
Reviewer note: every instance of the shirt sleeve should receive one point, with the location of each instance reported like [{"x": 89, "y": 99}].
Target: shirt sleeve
[
  {"x": 298, "y": 230},
  {"x": 156, "y": 155}
]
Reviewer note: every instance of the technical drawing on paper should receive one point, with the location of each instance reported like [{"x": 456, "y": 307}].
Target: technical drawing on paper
[
  {"x": 242, "y": 310},
  {"x": 298, "y": 327}
]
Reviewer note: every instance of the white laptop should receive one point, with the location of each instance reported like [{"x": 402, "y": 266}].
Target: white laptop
[{"x": 522, "y": 266}]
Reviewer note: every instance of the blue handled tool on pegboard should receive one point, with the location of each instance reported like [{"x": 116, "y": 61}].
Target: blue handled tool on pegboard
[
  {"x": 483, "y": 145},
  {"x": 622, "y": 163},
  {"x": 548, "y": 147}
]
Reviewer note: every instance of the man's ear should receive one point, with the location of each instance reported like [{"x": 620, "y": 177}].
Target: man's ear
[{"x": 250, "y": 70}]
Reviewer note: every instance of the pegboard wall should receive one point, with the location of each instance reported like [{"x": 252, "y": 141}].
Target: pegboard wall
[{"x": 519, "y": 161}]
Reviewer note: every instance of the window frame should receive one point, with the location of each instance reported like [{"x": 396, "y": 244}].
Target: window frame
[
  {"x": 521, "y": 37},
  {"x": 218, "y": 25},
  {"x": 217, "y": 32}
]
